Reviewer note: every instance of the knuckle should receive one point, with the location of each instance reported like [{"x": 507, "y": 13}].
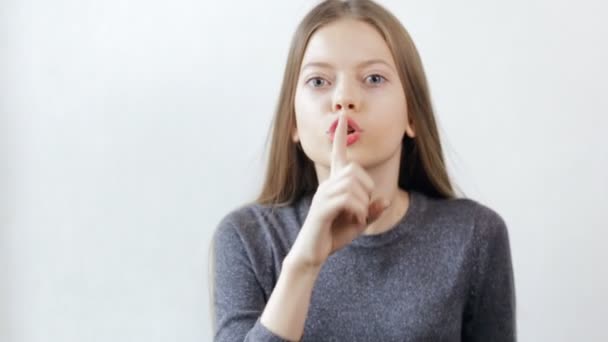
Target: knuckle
[
  {"x": 351, "y": 182},
  {"x": 343, "y": 200},
  {"x": 353, "y": 191},
  {"x": 343, "y": 185},
  {"x": 323, "y": 186},
  {"x": 351, "y": 168}
]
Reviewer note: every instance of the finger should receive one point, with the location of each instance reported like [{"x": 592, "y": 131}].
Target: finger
[
  {"x": 356, "y": 189},
  {"x": 376, "y": 208},
  {"x": 338, "y": 151},
  {"x": 366, "y": 181},
  {"x": 355, "y": 208},
  {"x": 351, "y": 206},
  {"x": 352, "y": 186}
]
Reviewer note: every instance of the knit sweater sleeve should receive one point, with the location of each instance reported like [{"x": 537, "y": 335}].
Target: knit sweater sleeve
[
  {"x": 238, "y": 297},
  {"x": 490, "y": 310}
]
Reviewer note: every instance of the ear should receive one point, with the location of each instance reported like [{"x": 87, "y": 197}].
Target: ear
[
  {"x": 409, "y": 127},
  {"x": 295, "y": 136}
]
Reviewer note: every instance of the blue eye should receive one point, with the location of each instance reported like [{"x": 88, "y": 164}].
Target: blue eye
[
  {"x": 378, "y": 79},
  {"x": 316, "y": 84}
]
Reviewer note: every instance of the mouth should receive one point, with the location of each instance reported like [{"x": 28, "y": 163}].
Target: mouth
[
  {"x": 353, "y": 127},
  {"x": 351, "y": 137},
  {"x": 353, "y": 133}
]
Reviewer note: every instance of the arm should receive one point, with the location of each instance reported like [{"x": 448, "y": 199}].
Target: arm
[
  {"x": 285, "y": 313},
  {"x": 239, "y": 299},
  {"x": 490, "y": 311}
]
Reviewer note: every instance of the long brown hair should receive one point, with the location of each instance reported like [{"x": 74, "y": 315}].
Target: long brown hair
[{"x": 291, "y": 174}]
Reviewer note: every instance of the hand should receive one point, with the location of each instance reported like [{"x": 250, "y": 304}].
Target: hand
[{"x": 341, "y": 208}]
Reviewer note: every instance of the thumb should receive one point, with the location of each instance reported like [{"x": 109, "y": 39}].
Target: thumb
[{"x": 376, "y": 208}]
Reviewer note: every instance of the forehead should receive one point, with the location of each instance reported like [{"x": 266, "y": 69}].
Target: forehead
[{"x": 347, "y": 43}]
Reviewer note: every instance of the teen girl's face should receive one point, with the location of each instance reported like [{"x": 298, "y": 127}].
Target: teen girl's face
[{"x": 348, "y": 67}]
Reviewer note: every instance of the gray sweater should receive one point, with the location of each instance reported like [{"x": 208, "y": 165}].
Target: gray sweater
[{"x": 443, "y": 273}]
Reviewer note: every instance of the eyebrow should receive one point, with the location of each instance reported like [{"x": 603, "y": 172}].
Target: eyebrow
[{"x": 360, "y": 65}]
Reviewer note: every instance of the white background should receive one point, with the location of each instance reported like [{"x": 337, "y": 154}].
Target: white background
[{"x": 129, "y": 128}]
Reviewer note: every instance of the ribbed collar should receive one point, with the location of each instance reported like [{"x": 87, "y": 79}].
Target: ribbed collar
[{"x": 408, "y": 221}]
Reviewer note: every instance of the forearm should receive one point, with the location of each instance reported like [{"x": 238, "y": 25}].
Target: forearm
[{"x": 287, "y": 308}]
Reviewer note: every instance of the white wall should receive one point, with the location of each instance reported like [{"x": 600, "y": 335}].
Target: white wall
[{"x": 129, "y": 128}]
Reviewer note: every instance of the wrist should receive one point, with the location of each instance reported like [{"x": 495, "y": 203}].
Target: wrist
[{"x": 294, "y": 264}]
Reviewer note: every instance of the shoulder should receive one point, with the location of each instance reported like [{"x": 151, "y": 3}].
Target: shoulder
[
  {"x": 239, "y": 223},
  {"x": 474, "y": 229},
  {"x": 463, "y": 208},
  {"x": 259, "y": 226},
  {"x": 476, "y": 218},
  {"x": 256, "y": 238}
]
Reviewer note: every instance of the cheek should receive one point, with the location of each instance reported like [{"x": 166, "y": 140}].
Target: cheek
[
  {"x": 391, "y": 111},
  {"x": 309, "y": 101},
  {"x": 309, "y": 111},
  {"x": 391, "y": 114},
  {"x": 386, "y": 133}
]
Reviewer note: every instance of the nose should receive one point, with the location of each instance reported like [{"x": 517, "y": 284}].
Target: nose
[
  {"x": 348, "y": 105},
  {"x": 345, "y": 98}
]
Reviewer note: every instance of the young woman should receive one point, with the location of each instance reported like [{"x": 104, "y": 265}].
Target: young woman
[{"x": 357, "y": 234}]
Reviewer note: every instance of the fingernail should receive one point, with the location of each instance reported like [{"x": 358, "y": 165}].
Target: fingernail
[{"x": 386, "y": 203}]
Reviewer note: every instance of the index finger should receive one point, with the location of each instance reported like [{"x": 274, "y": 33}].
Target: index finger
[{"x": 338, "y": 151}]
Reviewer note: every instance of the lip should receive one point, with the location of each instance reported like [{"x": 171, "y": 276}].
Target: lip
[
  {"x": 351, "y": 123},
  {"x": 350, "y": 139}
]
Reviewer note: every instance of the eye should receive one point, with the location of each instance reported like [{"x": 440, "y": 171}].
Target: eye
[
  {"x": 376, "y": 79},
  {"x": 317, "y": 82}
]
